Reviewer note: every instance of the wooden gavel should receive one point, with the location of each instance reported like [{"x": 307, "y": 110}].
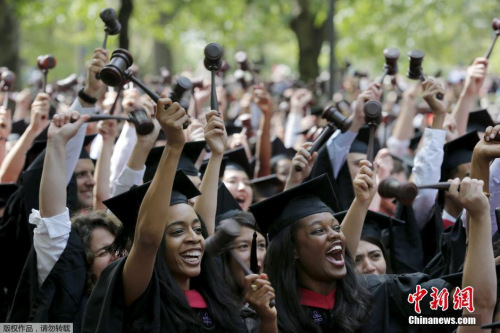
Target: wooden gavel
[
  {"x": 244, "y": 65},
  {"x": 415, "y": 71},
  {"x": 213, "y": 62},
  {"x": 44, "y": 63},
  {"x": 116, "y": 73},
  {"x": 495, "y": 25},
  {"x": 406, "y": 192},
  {"x": 391, "y": 63},
  {"x": 143, "y": 124},
  {"x": 335, "y": 120},
  {"x": 373, "y": 117},
  {"x": 112, "y": 25}
]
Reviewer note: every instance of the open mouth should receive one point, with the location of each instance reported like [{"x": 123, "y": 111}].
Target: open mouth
[
  {"x": 241, "y": 200},
  {"x": 334, "y": 254},
  {"x": 192, "y": 257}
]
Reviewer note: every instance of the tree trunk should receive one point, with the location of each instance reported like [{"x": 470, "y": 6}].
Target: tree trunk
[
  {"x": 9, "y": 39},
  {"x": 162, "y": 51},
  {"x": 310, "y": 39},
  {"x": 123, "y": 17}
]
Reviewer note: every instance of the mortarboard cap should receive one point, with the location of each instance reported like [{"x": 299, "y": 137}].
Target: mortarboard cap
[
  {"x": 204, "y": 164},
  {"x": 360, "y": 143},
  {"x": 126, "y": 206},
  {"x": 278, "y": 148},
  {"x": 374, "y": 223},
  {"x": 190, "y": 153},
  {"x": 458, "y": 151},
  {"x": 225, "y": 200},
  {"x": 267, "y": 186},
  {"x": 237, "y": 160},
  {"x": 479, "y": 120},
  {"x": 233, "y": 129},
  {"x": 6, "y": 190},
  {"x": 283, "y": 209}
]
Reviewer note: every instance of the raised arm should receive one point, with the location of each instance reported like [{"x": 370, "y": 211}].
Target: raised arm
[
  {"x": 107, "y": 129},
  {"x": 476, "y": 73},
  {"x": 479, "y": 267},
  {"x": 305, "y": 161},
  {"x": 151, "y": 221},
  {"x": 216, "y": 138},
  {"x": 5, "y": 129},
  {"x": 365, "y": 188},
  {"x": 13, "y": 163},
  {"x": 263, "y": 149}
]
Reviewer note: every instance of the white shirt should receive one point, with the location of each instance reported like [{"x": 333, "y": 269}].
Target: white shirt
[
  {"x": 427, "y": 170},
  {"x": 494, "y": 192},
  {"x": 50, "y": 238},
  {"x": 338, "y": 146},
  {"x": 122, "y": 151},
  {"x": 128, "y": 177}
]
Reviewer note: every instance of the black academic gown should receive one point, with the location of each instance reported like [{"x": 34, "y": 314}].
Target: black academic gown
[
  {"x": 15, "y": 230},
  {"x": 392, "y": 310},
  {"x": 62, "y": 296},
  {"x": 451, "y": 256},
  {"x": 106, "y": 311}
]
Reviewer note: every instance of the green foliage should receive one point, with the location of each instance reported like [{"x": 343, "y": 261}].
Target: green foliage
[{"x": 450, "y": 32}]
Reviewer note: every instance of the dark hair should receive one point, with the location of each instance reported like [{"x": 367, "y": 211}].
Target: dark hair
[
  {"x": 381, "y": 246},
  {"x": 208, "y": 284},
  {"x": 85, "y": 224},
  {"x": 352, "y": 300},
  {"x": 245, "y": 219},
  {"x": 275, "y": 160}
]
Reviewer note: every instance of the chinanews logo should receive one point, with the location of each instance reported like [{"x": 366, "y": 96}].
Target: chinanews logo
[{"x": 462, "y": 299}]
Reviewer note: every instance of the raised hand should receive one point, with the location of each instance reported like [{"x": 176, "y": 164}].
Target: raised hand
[
  {"x": 107, "y": 129},
  {"x": 299, "y": 100},
  {"x": 470, "y": 195},
  {"x": 364, "y": 183},
  {"x": 476, "y": 73},
  {"x": 259, "y": 292},
  {"x": 130, "y": 100},
  {"x": 305, "y": 161},
  {"x": 263, "y": 99},
  {"x": 373, "y": 93},
  {"x": 65, "y": 125},
  {"x": 95, "y": 87},
  {"x": 431, "y": 89},
  {"x": 39, "y": 114},
  {"x": 171, "y": 118},
  {"x": 487, "y": 148},
  {"x": 215, "y": 133}
]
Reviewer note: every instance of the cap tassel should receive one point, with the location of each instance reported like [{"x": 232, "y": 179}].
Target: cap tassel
[{"x": 254, "y": 265}]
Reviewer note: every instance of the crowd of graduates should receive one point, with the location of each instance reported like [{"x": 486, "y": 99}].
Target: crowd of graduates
[{"x": 223, "y": 219}]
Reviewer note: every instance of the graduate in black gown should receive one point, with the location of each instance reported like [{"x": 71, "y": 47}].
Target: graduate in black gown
[
  {"x": 309, "y": 265},
  {"x": 165, "y": 284}
]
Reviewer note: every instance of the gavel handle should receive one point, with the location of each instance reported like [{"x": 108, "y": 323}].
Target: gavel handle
[
  {"x": 437, "y": 186},
  {"x": 154, "y": 96},
  {"x": 113, "y": 107},
  {"x": 44, "y": 83},
  {"x": 487, "y": 55},
  {"x": 105, "y": 42},
  {"x": 370, "y": 154},
  {"x": 327, "y": 132},
  {"x": 214, "y": 104},
  {"x": 247, "y": 271},
  {"x": 381, "y": 80},
  {"x": 106, "y": 117}
]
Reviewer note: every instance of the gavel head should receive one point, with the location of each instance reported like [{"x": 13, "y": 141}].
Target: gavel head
[
  {"x": 415, "y": 70},
  {"x": 143, "y": 124},
  {"x": 8, "y": 78},
  {"x": 239, "y": 76},
  {"x": 373, "y": 112},
  {"x": 337, "y": 118},
  {"x": 213, "y": 57},
  {"x": 45, "y": 62},
  {"x": 113, "y": 74},
  {"x": 495, "y": 24},
  {"x": 183, "y": 84},
  {"x": 242, "y": 60},
  {"x": 403, "y": 192},
  {"x": 108, "y": 16},
  {"x": 391, "y": 60}
]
